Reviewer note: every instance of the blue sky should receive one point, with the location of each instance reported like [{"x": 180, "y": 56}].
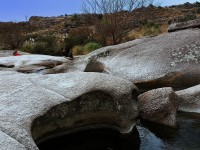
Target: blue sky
[{"x": 19, "y": 10}]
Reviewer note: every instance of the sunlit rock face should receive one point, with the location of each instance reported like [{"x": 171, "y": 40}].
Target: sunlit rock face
[
  {"x": 167, "y": 60},
  {"x": 35, "y": 107},
  {"x": 190, "y": 99}
]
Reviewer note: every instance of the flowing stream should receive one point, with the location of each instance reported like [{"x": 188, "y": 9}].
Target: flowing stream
[{"x": 148, "y": 136}]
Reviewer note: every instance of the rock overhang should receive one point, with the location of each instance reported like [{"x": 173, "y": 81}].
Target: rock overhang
[{"x": 91, "y": 98}]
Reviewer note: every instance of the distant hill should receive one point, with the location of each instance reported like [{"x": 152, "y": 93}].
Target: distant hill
[{"x": 160, "y": 15}]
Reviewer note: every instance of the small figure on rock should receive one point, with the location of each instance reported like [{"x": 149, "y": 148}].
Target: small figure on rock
[
  {"x": 68, "y": 53},
  {"x": 16, "y": 53}
]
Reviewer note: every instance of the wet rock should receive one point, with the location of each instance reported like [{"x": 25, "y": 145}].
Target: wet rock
[
  {"x": 159, "y": 106},
  {"x": 184, "y": 25},
  {"x": 36, "y": 107},
  {"x": 189, "y": 99}
]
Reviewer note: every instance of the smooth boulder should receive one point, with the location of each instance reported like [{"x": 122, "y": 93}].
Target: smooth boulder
[
  {"x": 159, "y": 106},
  {"x": 189, "y": 99}
]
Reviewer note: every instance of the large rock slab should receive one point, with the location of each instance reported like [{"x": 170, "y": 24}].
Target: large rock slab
[
  {"x": 184, "y": 25},
  {"x": 37, "y": 107},
  {"x": 189, "y": 99},
  {"x": 6, "y": 53},
  {"x": 159, "y": 106},
  {"x": 31, "y": 63},
  {"x": 8, "y": 143},
  {"x": 168, "y": 60}
]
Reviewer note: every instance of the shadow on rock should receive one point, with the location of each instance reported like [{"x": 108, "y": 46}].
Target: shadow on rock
[
  {"x": 94, "y": 139},
  {"x": 161, "y": 131}
]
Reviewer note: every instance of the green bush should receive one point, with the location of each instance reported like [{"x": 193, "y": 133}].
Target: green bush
[
  {"x": 197, "y": 4},
  {"x": 47, "y": 45},
  {"x": 150, "y": 24},
  {"x": 150, "y": 28},
  {"x": 39, "y": 48},
  {"x": 28, "y": 46},
  {"x": 34, "y": 47},
  {"x": 74, "y": 17},
  {"x": 188, "y": 17},
  {"x": 91, "y": 46},
  {"x": 72, "y": 41},
  {"x": 85, "y": 49},
  {"x": 198, "y": 11},
  {"x": 78, "y": 50}
]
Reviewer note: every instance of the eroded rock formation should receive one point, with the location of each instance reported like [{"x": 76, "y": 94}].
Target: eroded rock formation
[
  {"x": 35, "y": 107},
  {"x": 159, "y": 106}
]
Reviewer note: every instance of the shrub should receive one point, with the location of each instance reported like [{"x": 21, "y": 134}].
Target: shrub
[
  {"x": 47, "y": 45},
  {"x": 150, "y": 28},
  {"x": 72, "y": 41},
  {"x": 187, "y": 18},
  {"x": 34, "y": 47},
  {"x": 28, "y": 46},
  {"x": 197, "y": 4},
  {"x": 198, "y": 10},
  {"x": 143, "y": 31},
  {"x": 74, "y": 17},
  {"x": 82, "y": 50},
  {"x": 78, "y": 50},
  {"x": 91, "y": 46}
]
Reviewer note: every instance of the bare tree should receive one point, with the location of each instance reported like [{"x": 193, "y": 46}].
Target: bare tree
[{"x": 112, "y": 18}]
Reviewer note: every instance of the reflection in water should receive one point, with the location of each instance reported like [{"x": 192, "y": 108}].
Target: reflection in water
[{"x": 151, "y": 137}]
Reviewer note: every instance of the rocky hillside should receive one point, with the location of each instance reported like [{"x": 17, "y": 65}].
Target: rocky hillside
[{"x": 160, "y": 15}]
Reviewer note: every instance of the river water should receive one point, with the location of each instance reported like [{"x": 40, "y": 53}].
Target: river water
[
  {"x": 148, "y": 136},
  {"x": 185, "y": 137}
]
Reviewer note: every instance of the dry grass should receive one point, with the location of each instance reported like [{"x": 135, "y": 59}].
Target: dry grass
[{"x": 142, "y": 32}]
